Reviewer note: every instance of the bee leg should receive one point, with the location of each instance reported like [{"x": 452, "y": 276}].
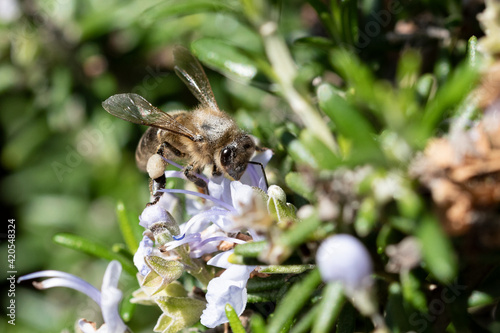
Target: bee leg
[
  {"x": 190, "y": 174},
  {"x": 155, "y": 185},
  {"x": 165, "y": 146}
]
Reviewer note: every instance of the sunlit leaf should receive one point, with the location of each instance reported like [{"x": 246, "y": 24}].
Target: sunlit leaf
[
  {"x": 94, "y": 248},
  {"x": 225, "y": 58}
]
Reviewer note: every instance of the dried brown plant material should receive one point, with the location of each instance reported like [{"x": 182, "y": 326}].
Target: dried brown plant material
[
  {"x": 258, "y": 274},
  {"x": 489, "y": 89},
  {"x": 227, "y": 245},
  {"x": 462, "y": 173}
]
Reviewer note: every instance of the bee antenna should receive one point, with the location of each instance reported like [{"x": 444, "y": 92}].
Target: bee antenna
[{"x": 263, "y": 171}]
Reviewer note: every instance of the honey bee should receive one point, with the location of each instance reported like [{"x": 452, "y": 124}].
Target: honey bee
[{"x": 201, "y": 137}]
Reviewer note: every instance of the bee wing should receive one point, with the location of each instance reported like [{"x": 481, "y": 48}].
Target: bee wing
[
  {"x": 136, "y": 109},
  {"x": 188, "y": 68}
]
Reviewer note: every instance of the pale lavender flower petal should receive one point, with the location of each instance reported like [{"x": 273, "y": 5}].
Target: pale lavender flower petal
[
  {"x": 263, "y": 157},
  {"x": 230, "y": 288},
  {"x": 241, "y": 195},
  {"x": 194, "y": 206},
  {"x": 210, "y": 244},
  {"x": 62, "y": 279},
  {"x": 253, "y": 175},
  {"x": 108, "y": 298},
  {"x": 220, "y": 260},
  {"x": 111, "y": 297},
  {"x": 168, "y": 202},
  {"x": 9, "y": 11},
  {"x": 201, "y": 195},
  {"x": 145, "y": 249},
  {"x": 174, "y": 174},
  {"x": 219, "y": 188},
  {"x": 153, "y": 214},
  {"x": 190, "y": 238},
  {"x": 200, "y": 221},
  {"x": 216, "y": 186}
]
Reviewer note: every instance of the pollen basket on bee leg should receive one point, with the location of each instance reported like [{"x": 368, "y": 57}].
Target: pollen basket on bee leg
[{"x": 155, "y": 166}]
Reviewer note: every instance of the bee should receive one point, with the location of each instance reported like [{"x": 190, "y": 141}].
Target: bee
[{"x": 201, "y": 137}]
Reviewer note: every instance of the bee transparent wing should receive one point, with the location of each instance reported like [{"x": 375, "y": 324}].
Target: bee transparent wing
[
  {"x": 136, "y": 109},
  {"x": 189, "y": 69}
]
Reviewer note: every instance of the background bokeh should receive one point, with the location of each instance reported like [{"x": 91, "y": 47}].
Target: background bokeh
[{"x": 66, "y": 163}]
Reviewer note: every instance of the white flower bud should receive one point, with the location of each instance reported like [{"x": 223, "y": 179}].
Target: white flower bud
[
  {"x": 344, "y": 258},
  {"x": 276, "y": 192},
  {"x": 153, "y": 214},
  {"x": 160, "y": 222}
]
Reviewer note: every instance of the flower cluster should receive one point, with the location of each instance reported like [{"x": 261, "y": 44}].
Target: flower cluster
[
  {"x": 168, "y": 249},
  {"x": 234, "y": 212}
]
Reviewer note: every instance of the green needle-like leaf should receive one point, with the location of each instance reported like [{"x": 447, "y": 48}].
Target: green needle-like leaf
[
  {"x": 285, "y": 269},
  {"x": 250, "y": 249},
  {"x": 298, "y": 184},
  {"x": 301, "y": 231},
  {"x": 305, "y": 323},
  {"x": 257, "y": 324},
  {"x": 129, "y": 229},
  {"x": 234, "y": 320},
  {"x": 293, "y": 301},
  {"x": 457, "y": 87},
  {"x": 322, "y": 154},
  {"x": 330, "y": 306},
  {"x": 472, "y": 55},
  {"x": 350, "y": 123},
  {"x": 437, "y": 250},
  {"x": 127, "y": 308},
  {"x": 93, "y": 248},
  {"x": 411, "y": 291},
  {"x": 268, "y": 283}
]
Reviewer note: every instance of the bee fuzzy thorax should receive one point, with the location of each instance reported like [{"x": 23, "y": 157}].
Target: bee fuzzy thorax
[{"x": 214, "y": 125}]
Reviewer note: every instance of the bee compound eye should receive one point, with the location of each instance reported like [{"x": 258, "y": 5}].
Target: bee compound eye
[{"x": 226, "y": 156}]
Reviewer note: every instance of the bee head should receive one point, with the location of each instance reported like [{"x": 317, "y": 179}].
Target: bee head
[{"x": 235, "y": 156}]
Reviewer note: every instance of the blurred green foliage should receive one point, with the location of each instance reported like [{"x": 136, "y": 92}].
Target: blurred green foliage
[{"x": 373, "y": 73}]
